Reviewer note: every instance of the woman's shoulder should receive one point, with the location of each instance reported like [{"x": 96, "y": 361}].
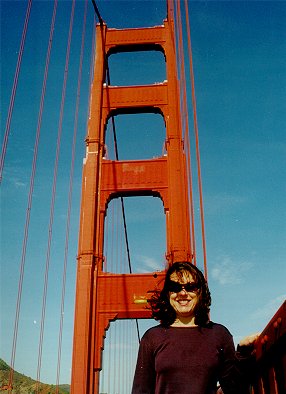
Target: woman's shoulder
[
  {"x": 218, "y": 328},
  {"x": 155, "y": 332}
]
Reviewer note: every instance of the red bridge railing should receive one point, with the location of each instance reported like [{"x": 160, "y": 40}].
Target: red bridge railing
[{"x": 270, "y": 352}]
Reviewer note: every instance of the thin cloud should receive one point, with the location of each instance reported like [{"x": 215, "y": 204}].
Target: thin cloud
[
  {"x": 19, "y": 184},
  {"x": 14, "y": 175},
  {"x": 269, "y": 309},
  {"x": 16, "y": 182},
  {"x": 148, "y": 264},
  {"x": 228, "y": 272},
  {"x": 223, "y": 201}
]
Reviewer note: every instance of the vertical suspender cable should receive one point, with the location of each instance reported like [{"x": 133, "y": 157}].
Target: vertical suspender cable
[
  {"x": 14, "y": 88},
  {"x": 197, "y": 138},
  {"x": 121, "y": 198},
  {"x": 186, "y": 130},
  {"x": 46, "y": 277},
  {"x": 31, "y": 189},
  {"x": 70, "y": 200}
]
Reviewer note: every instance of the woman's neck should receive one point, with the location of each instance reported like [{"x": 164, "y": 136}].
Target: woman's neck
[{"x": 184, "y": 322}]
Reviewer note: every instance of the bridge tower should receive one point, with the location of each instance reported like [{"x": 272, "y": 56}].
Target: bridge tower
[{"x": 164, "y": 177}]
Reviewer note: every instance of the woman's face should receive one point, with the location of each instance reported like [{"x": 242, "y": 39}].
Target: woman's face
[{"x": 183, "y": 302}]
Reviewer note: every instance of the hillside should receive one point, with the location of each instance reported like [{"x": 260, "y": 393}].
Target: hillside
[{"x": 24, "y": 385}]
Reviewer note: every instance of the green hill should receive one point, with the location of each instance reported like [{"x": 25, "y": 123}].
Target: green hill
[{"x": 24, "y": 385}]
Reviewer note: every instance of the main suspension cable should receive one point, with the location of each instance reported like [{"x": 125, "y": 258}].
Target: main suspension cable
[{"x": 97, "y": 12}]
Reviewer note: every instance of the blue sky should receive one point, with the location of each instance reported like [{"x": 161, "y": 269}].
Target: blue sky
[{"x": 239, "y": 54}]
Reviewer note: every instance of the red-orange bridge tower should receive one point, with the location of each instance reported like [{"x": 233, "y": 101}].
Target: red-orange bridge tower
[{"x": 103, "y": 180}]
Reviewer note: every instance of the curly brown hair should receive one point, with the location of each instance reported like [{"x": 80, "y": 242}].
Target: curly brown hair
[{"x": 160, "y": 301}]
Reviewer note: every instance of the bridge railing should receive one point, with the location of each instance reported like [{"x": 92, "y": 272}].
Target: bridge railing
[{"x": 270, "y": 353}]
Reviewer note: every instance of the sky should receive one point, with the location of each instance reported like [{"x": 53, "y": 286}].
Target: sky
[{"x": 239, "y": 56}]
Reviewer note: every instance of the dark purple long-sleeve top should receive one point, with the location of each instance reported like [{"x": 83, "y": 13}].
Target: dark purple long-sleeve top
[{"x": 187, "y": 360}]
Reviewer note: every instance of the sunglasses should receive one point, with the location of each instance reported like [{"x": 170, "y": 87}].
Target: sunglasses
[{"x": 176, "y": 287}]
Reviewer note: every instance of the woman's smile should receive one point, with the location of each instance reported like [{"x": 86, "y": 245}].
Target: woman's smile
[
  {"x": 183, "y": 305},
  {"x": 183, "y": 302}
]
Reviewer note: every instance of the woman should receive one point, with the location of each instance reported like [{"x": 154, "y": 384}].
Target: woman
[{"x": 186, "y": 353}]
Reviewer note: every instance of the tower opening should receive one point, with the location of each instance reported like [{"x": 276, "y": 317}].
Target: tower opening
[
  {"x": 137, "y": 68},
  {"x": 145, "y": 221},
  {"x": 139, "y": 136}
]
